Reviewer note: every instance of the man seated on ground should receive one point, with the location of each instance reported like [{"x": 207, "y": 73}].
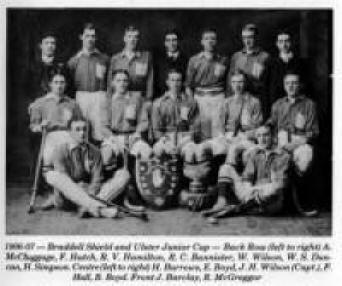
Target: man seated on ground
[
  {"x": 125, "y": 124},
  {"x": 76, "y": 175},
  {"x": 174, "y": 114},
  {"x": 262, "y": 184},
  {"x": 242, "y": 114},
  {"x": 294, "y": 120}
]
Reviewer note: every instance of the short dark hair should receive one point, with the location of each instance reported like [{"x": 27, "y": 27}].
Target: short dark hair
[
  {"x": 208, "y": 30},
  {"x": 60, "y": 69},
  {"x": 292, "y": 72},
  {"x": 120, "y": 71},
  {"x": 170, "y": 71},
  {"x": 250, "y": 27},
  {"x": 131, "y": 28},
  {"x": 238, "y": 72},
  {"x": 76, "y": 117},
  {"x": 265, "y": 126},
  {"x": 172, "y": 31},
  {"x": 88, "y": 26},
  {"x": 283, "y": 32},
  {"x": 48, "y": 34}
]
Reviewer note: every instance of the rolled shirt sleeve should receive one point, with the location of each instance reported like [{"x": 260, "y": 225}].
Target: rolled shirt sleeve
[
  {"x": 142, "y": 121},
  {"x": 157, "y": 120},
  {"x": 35, "y": 113},
  {"x": 106, "y": 116},
  {"x": 150, "y": 78},
  {"x": 194, "y": 119},
  {"x": 190, "y": 74}
]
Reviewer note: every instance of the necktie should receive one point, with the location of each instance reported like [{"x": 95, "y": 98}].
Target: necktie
[
  {"x": 238, "y": 123},
  {"x": 79, "y": 163}
]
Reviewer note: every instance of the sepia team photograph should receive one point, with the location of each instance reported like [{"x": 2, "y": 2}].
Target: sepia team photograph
[{"x": 169, "y": 121}]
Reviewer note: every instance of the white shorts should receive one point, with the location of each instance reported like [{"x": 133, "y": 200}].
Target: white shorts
[{"x": 93, "y": 106}]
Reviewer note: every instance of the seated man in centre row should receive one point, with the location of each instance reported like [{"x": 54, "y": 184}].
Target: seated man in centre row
[
  {"x": 295, "y": 122},
  {"x": 124, "y": 114},
  {"x": 174, "y": 116},
  {"x": 51, "y": 113},
  {"x": 125, "y": 126},
  {"x": 242, "y": 114}
]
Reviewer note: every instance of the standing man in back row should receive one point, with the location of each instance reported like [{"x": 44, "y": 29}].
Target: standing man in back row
[
  {"x": 139, "y": 66},
  {"x": 42, "y": 66},
  {"x": 253, "y": 62},
  {"x": 284, "y": 61},
  {"x": 38, "y": 85},
  {"x": 206, "y": 81},
  {"x": 172, "y": 58},
  {"x": 137, "y": 63},
  {"x": 89, "y": 71}
]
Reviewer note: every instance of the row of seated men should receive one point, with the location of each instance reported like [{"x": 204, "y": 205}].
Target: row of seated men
[{"x": 88, "y": 176}]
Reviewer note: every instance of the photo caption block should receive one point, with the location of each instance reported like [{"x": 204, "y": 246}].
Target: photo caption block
[{"x": 142, "y": 261}]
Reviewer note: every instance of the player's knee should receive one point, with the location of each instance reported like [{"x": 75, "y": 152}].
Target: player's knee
[
  {"x": 227, "y": 171},
  {"x": 219, "y": 146},
  {"x": 234, "y": 152},
  {"x": 107, "y": 155},
  {"x": 188, "y": 152},
  {"x": 163, "y": 147},
  {"x": 52, "y": 177}
]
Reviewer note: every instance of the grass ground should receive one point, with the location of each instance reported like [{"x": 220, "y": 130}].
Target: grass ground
[{"x": 170, "y": 222}]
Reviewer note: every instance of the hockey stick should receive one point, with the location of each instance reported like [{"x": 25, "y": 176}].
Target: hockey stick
[
  {"x": 37, "y": 173},
  {"x": 138, "y": 214}
]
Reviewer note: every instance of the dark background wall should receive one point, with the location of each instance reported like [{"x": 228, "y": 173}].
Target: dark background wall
[{"x": 312, "y": 30}]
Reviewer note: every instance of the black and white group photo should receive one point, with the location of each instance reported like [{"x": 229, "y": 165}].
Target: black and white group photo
[{"x": 169, "y": 121}]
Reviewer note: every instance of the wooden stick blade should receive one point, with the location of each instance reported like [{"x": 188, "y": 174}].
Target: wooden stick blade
[{"x": 30, "y": 209}]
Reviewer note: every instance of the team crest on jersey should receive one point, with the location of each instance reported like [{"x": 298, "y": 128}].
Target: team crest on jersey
[
  {"x": 140, "y": 69},
  {"x": 257, "y": 70},
  {"x": 100, "y": 71},
  {"x": 219, "y": 69},
  {"x": 300, "y": 121},
  {"x": 67, "y": 114}
]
